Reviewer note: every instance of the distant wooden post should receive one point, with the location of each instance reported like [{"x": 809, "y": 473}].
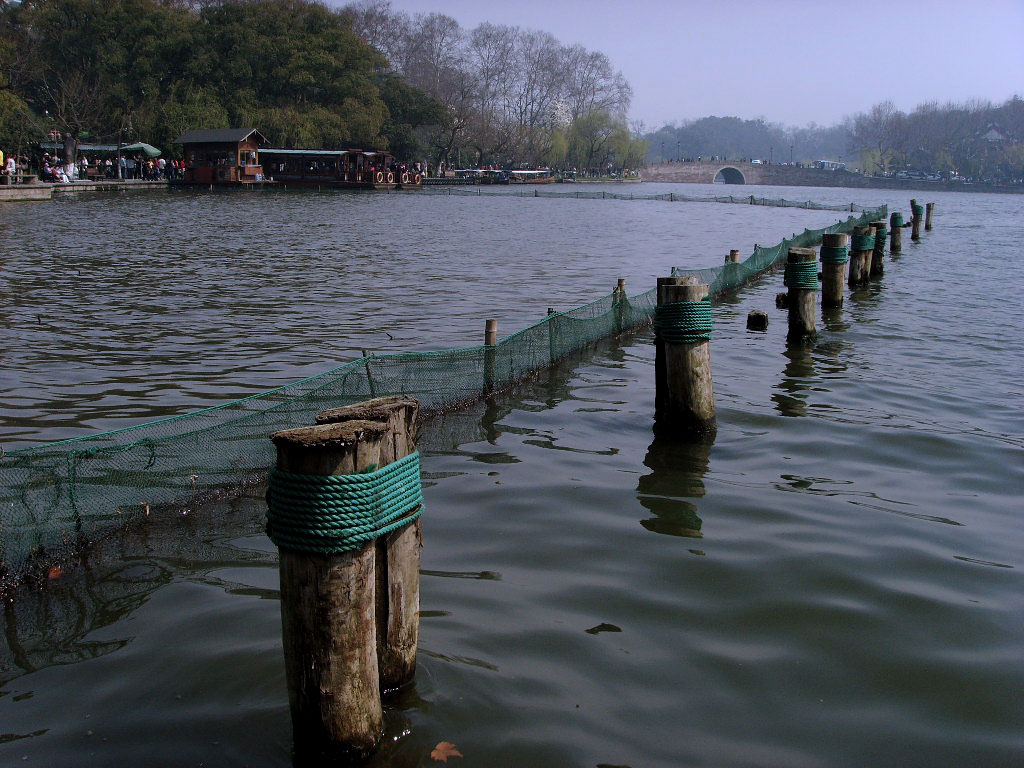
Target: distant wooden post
[
  {"x": 878, "y": 253},
  {"x": 327, "y": 606},
  {"x": 929, "y": 208},
  {"x": 660, "y": 385},
  {"x": 689, "y": 396},
  {"x": 861, "y": 246},
  {"x": 835, "y": 255},
  {"x": 896, "y": 232},
  {"x": 397, "y": 553},
  {"x": 490, "y": 355},
  {"x": 917, "y": 212},
  {"x": 802, "y": 282},
  {"x": 619, "y": 302},
  {"x": 552, "y": 346},
  {"x": 733, "y": 257}
]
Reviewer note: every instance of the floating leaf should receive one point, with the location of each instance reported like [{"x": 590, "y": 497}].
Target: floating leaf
[
  {"x": 444, "y": 750},
  {"x": 55, "y": 572}
]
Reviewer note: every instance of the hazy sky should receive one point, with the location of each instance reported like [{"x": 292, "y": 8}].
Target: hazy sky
[{"x": 788, "y": 61}]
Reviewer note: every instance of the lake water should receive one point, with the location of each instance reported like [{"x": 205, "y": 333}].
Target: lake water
[{"x": 833, "y": 580}]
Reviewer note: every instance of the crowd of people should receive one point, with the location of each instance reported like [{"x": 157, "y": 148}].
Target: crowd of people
[{"x": 52, "y": 170}]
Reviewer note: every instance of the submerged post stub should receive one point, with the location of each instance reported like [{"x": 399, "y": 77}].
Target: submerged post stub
[
  {"x": 683, "y": 323},
  {"x": 895, "y": 232},
  {"x": 397, "y": 556},
  {"x": 802, "y": 281},
  {"x": 835, "y": 255},
  {"x": 328, "y": 587}
]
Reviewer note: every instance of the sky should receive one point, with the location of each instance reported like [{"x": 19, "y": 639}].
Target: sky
[{"x": 792, "y": 62}]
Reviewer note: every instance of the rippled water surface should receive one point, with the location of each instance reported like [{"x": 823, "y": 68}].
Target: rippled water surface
[{"x": 833, "y": 580}]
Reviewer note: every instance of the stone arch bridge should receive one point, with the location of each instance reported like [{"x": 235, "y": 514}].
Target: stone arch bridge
[{"x": 746, "y": 173}]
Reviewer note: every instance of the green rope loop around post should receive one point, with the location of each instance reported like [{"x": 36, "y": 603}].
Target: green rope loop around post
[
  {"x": 862, "y": 243},
  {"x": 801, "y": 275},
  {"x": 683, "y": 322},
  {"x": 881, "y": 235},
  {"x": 919, "y": 210},
  {"x": 897, "y": 220},
  {"x": 834, "y": 254},
  {"x": 332, "y": 514}
]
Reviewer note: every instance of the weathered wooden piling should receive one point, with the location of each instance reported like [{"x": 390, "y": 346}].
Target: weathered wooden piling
[
  {"x": 917, "y": 214},
  {"x": 490, "y": 355},
  {"x": 683, "y": 324},
  {"x": 895, "y": 232},
  {"x": 861, "y": 245},
  {"x": 397, "y": 560},
  {"x": 835, "y": 255},
  {"x": 929, "y": 208},
  {"x": 733, "y": 257},
  {"x": 878, "y": 253},
  {"x": 552, "y": 344},
  {"x": 328, "y": 605},
  {"x": 660, "y": 385},
  {"x": 619, "y": 303},
  {"x": 802, "y": 282}
]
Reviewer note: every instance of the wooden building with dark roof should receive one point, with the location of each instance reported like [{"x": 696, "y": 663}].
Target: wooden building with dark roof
[{"x": 222, "y": 156}]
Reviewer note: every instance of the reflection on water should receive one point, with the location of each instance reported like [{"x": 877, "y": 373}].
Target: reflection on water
[
  {"x": 798, "y": 379},
  {"x": 677, "y": 468}
]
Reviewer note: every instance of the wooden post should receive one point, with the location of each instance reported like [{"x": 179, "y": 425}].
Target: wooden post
[
  {"x": 802, "y": 301},
  {"x": 660, "y": 386},
  {"x": 490, "y": 355},
  {"x": 327, "y": 607},
  {"x": 620, "y": 305},
  {"x": 733, "y": 257},
  {"x": 929, "y": 208},
  {"x": 896, "y": 232},
  {"x": 552, "y": 346},
  {"x": 858, "y": 259},
  {"x": 833, "y": 275},
  {"x": 689, "y": 396},
  {"x": 397, "y": 553},
  {"x": 878, "y": 254},
  {"x": 916, "y": 214}
]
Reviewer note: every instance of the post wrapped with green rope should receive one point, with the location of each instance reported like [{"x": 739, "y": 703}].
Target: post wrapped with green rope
[
  {"x": 896, "y": 232},
  {"x": 834, "y": 256},
  {"x": 683, "y": 323},
  {"x": 802, "y": 281},
  {"x": 398, "y": 550},
  {"x": 917, "y": 218},
  {"x": 335, "y": 486},
  {"x": 878, "y": 253},
  {"x": 328, "y": 515}
]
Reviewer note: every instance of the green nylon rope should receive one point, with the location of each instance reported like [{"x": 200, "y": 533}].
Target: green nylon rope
[
  {"x": 897, "y": 220},
  {"x": 834, "y": 254},
  {"x": 880, "y": 237},
  {"x": 862, "y": 243},
  {"x": 683, "y": 322},
  {"x": 801, "y": 275},
  {"x": 331, "y": 514},
  {"x": 919, "y": 210}
]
